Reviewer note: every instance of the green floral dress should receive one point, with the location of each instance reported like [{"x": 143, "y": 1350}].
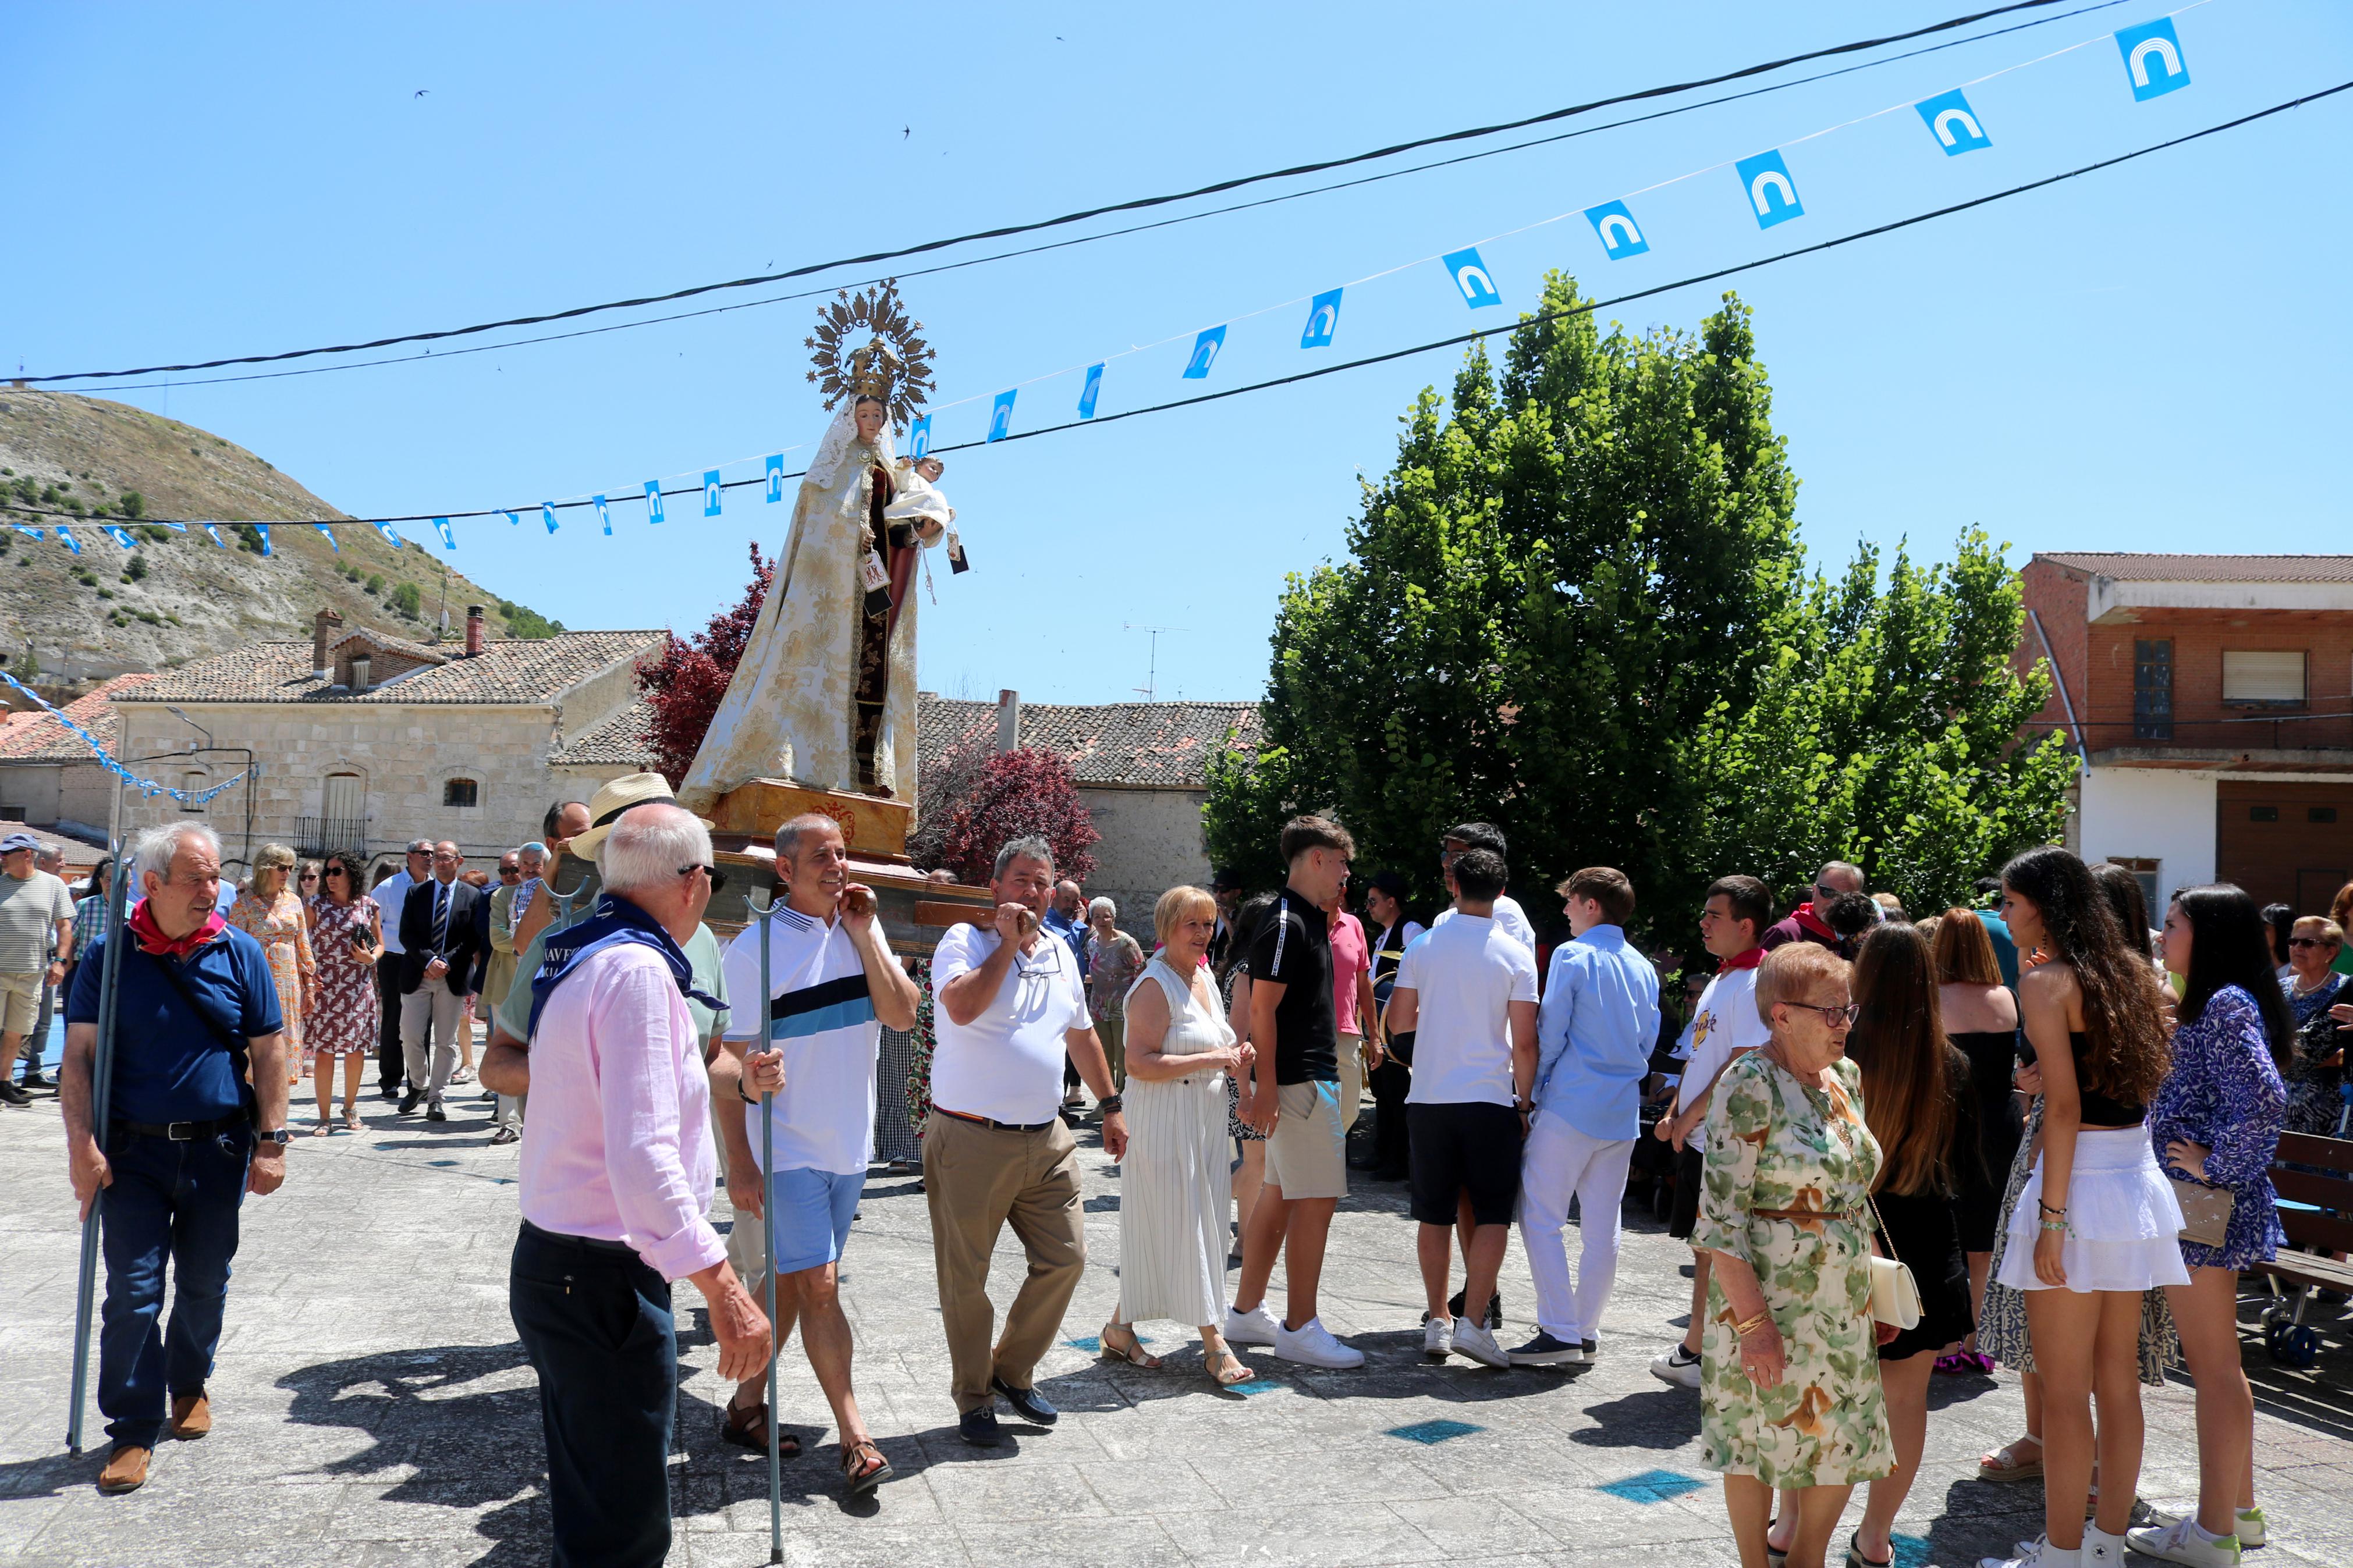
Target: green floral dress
[{"x": 1774, "y": 1142}]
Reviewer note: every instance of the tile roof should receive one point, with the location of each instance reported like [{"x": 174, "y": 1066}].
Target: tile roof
[
  {"x": 1164, "y": 743},
  {"x": 511, "y": 669},
  {"x": 2129, "y": 567},
  {"x": 387, "y": 642},
  {"x": 618, "y": 742},
  {"x": 36, "y": 737}
]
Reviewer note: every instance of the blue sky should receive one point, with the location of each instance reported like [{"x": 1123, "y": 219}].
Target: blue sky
[{"x": 2150, "y": 358}]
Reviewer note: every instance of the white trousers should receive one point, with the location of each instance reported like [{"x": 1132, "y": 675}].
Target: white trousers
[{"x": 1557, "y": 1163}]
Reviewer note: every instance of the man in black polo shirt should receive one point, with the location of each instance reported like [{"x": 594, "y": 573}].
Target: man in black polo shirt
[
  {"x": 188, "y": 1136},
  {"x": 1296, "y": 1031}
]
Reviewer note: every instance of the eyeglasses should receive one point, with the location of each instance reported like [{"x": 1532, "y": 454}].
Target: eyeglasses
[
  {"x": 510, "y": 870},
  {"x": 2309, "y": 941},
  {"x": 718, "y": 878},
  {"x": 310, "y": 876},
  {"x": 1833, "y": 1016}
]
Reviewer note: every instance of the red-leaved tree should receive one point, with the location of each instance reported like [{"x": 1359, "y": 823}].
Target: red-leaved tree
[
  {"x": 1008, "y": 795},
  {"x": 685, "y": 684}
]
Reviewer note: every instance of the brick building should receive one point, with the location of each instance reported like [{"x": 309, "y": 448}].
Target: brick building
[{"x": 2211, "y": 700}]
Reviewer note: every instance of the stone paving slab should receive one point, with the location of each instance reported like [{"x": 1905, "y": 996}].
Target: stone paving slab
[{"x": 372, "y": 1408}]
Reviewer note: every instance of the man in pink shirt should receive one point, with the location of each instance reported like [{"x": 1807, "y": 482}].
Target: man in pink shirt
[
  {"x": 1352, "y": 1005},
  {"x": 615, "y": 1174}
]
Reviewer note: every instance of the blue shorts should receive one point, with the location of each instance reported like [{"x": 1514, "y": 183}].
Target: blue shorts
[{"x": 809, "y": 1225}]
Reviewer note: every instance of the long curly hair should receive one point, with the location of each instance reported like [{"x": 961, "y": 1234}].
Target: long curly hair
[{"x": 2123, "y": 1010}]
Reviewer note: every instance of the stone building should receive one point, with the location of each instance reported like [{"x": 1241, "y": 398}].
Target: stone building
[
  {"x": 48, "y": 776},
  {"x": 360, "y": 740}
]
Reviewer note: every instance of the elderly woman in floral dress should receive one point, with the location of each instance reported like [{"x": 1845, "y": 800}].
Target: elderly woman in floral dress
[
  {"x": 268, "y": 912},
  {"x": 348, "y": 937}
]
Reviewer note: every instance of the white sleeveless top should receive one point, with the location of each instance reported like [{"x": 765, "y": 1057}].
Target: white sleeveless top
[{"x": 1192, "y": 1027}]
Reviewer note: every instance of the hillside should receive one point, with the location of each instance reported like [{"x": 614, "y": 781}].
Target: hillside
[{"x": 178, "y": 595}]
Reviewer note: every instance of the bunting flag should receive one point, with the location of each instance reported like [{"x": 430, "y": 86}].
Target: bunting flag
[
  {"x": 711, "y": 492},
  {"x": 448, "y": 539},
  {"x": 513, "y": 520},
  {"x": 1472, "y": 276},
  {"x": 145, "y": 786},
  {"x": 777, "y": 469},
  {"x": 1953, "y": 124},
  {"x": 121, "y": 536},
  {"x": 1620, "y": 237},
  {"x": 216, "y": 536},
  {"x": 2152, "y": 59},
  {"x": 547, "y": 510},
  {"x": 1000, "y": 416},
  {"x": 1323, "y": 320},
  {"x": 919, "y": 439},
  {"x": 602, "y": 515},
  {"x": 329, "y": 533},
  {"x": 263, "y": 529},
  {"x": 27, "y": 532},
  {"x": 390, "y": 537},
  {"x": 66, "y": 538},
  {"x": 1772, "y": 194},
  {"x": 178, "y": 527},
  {"x": 653, "y": 501},
  {"x": 1205, "y": 353},
  {"x": 1087, "y": 397}
]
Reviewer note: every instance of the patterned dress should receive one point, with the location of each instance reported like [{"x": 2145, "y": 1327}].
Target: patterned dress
[
  {"x": 345, "y": 1021},
  {"x": 920, "y": 1041},
  {"x": 279, "y": 927},
  {"x": 1776, "y": 1142},
  {"x": 2224, "y": 1092},
  {"x": 2315, "y": 1097}
]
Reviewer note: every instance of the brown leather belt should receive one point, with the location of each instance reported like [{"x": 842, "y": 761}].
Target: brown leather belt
[{"x": 996, "y": 1125}]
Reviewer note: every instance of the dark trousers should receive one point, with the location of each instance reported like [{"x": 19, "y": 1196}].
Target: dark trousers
[
  {"x": 596, "y": 1326},
  {"x": 176, "y": 1200},
  {"x": 1391, "y": 1148},
  {"x": 390, "y": 1060}
]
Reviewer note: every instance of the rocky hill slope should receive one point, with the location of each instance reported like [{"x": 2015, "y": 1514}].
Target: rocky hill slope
[{"x": 177, "y": 596}]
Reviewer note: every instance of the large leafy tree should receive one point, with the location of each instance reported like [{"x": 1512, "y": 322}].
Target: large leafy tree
[{"x": 1569, "y": 609}]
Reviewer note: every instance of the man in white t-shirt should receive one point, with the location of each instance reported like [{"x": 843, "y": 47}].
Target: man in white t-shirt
[
  {"x": 1508, "y": 916},
  {"x": 1726, "y": 1025},
  {"x": 1009, "y": 1008},
  {"x": 833, "y": 989},
  {"x": 1467, "y": 990}
]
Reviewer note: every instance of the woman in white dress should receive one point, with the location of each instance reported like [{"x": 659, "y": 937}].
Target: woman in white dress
[{"x": 1173, "y": 1178}]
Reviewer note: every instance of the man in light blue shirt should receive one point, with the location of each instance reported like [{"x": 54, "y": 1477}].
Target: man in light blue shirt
[{"x": 1593, "y": 1036}]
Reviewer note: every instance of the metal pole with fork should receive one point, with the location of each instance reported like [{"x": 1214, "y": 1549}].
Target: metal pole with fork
[
  {"x": 101, "y": 1091},
  {"x": 763, "y": 903}
]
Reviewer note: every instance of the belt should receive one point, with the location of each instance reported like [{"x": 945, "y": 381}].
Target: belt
[
  {"x": 997, "y": 1126},
  {"x": 183, "y": 1131},
  {"x": 1850, "y": 1215},
  {"x": 592, "y": 1243}
]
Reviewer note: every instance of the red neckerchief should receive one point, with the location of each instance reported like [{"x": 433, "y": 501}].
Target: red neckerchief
[
  {"x": 151, "y": 938},
  {"x": 1807, "y": 920},
  {"x": 1749, "y": 960}
]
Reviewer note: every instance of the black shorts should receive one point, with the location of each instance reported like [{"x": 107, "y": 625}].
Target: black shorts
[
  {"x": 1463, "y": 1148},
  {"x": 1691, "y": 1172}
]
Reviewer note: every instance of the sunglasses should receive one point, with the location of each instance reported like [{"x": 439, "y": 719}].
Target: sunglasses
[
  {"x": 310, "y": 876},
  {"x": 2309, "y": 941},
  {"x": 510, "y": 870},
  {"x": 1833, "y": 1016},
  {"x": 718, "y": 878}
]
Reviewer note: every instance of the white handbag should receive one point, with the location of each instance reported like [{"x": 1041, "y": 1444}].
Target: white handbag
[{"x": 1894, "y": 1294}]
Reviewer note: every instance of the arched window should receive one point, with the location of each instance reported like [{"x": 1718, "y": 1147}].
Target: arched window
[{"x": 465, "y": 793}]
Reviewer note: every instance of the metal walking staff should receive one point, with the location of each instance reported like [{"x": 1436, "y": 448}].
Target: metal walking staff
[
  {"x": 764, "y": 908},
  {"x": 101, "y": 1088}
]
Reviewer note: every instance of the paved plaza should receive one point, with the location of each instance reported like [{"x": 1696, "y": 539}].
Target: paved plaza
[{"x": 373, "y": 1407}]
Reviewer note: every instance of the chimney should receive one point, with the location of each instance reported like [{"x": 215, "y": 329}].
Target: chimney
[
  {"x": 473, "y": 631},
  {"x": 1008, "y": 721},
  {"x": 323, "y": 627},
  {"x": 360, "y": 671}
]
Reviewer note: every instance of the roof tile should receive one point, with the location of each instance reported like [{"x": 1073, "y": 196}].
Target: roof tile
[
  {"x": 511, "y": 669},
  {"x": 1163, "y": 744},
  {"x": 38, "y": 737},
  {"x": 2129, "y": 567}
]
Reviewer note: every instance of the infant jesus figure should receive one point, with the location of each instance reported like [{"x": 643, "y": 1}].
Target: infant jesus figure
[{"x": 919, "y": 502}]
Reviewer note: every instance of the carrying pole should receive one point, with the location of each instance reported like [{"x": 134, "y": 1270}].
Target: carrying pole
[
  {"x": 763, "y": 911},
  {"x": 101, "y": 1088}
]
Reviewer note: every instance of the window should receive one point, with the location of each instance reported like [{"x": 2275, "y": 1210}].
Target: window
[
  {"x": 2153, "y": 689},
  {"x": 2263, "y": 814},
  {"x": 343, "y": 798},
  {"x": 465, "y": 792},
  {"x": 2320, "y": 813},
  {"x": 194, "y": 783},
  {"x": 12, "y": 814},
  {"x": 2254, "y": 679},
  {"x": 2145, "y": 871}
]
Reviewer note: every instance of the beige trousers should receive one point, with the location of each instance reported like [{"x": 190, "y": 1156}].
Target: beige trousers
[{"x": 977, "y": 1180}]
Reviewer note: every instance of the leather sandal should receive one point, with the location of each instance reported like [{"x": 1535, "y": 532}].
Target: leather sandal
[
  {"x": 746, "y": 1426},
  {"x": 1133, "y": 1353},
  {"x": 864, "y": 1467},
  {"x": 2006, "y": 1463},
  {"x": 1226, "y": 1367}
]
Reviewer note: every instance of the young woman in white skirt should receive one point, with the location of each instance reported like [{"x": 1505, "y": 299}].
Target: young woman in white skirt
[{"x": 2097, "y": 1223}]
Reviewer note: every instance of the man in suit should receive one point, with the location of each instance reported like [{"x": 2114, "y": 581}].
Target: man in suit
[{"x": 438, "y": 942}]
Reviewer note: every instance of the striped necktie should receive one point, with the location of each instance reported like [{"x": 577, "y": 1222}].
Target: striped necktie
[{"x": 440, "y": 914}]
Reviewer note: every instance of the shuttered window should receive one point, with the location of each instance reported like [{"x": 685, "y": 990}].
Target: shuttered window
[{"x": 2263, "y": 678}]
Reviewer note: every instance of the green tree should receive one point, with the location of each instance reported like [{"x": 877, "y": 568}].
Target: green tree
[
  {"x": 375, "y": 583},
  {"x": 135, "y": 569},
  {"x": 133, "y": 504},
  {"x": 524, "y": 622},
  {"x": 248, "y": 537},
  {"x": 408, "y": 598}
]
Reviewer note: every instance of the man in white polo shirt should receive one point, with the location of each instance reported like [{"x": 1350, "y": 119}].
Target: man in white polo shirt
[
  {"x": 833, "y": 986},
  {"x": 1011, "y": 1007}
]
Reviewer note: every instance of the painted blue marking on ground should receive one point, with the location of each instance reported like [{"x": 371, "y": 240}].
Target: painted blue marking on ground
[
  {"x": 1434, "y": 1431},
  {"x": 1090, "y": 1344},
  {"x": 1651, "y": 1486},
  {"x": 441, "y": 1162},
  {"x": 1255, "y": 1385},
  {"x": 1911, "y": 1551}
]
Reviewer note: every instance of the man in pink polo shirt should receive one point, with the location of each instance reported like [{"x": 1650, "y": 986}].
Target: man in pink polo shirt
[{"x": 614, "y": 1176}]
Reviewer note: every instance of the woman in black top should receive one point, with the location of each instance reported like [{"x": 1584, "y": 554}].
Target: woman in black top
[{"x": 1982, "y": 1020}]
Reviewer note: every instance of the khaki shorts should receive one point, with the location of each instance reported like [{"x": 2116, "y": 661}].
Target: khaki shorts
[
  {"x": 1307, "y": 1152},
  {"x": 21, "y": 995}
]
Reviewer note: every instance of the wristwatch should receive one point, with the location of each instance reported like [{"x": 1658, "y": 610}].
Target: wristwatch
[
  {"x": 281, "y": 1137},
  {"x": 1109, "y": 1104}
]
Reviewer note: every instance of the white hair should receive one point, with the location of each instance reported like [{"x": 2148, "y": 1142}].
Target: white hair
[
  {"x": 1101, "y": 907},
  {"x": 647, "y": 847},
  {"x": 158, "y": 846}
]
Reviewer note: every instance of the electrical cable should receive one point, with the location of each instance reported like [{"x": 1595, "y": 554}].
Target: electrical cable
[
  {"x": 1133, "y": 229},
  {"x": 1134, "y": 205},
  {"x": 1535, "y": 319}
]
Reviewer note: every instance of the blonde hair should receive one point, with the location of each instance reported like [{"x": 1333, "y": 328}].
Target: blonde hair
[
  {"x": 1792, "y": 970},
  {"x": 2329, "y": 930},
  {"x": 273, "y": 857},
  {"x": 1175, "y": 905}
]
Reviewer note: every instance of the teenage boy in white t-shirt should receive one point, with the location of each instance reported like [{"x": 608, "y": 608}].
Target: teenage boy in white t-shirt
[
  {"x": 1726, "y": 1026},
  {"x": 833, "y": 988},
  {"x": 1469, "y": 991}
]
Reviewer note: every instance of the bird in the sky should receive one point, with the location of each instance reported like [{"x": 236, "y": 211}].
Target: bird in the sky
[
  {"x": 906, "y": 132},
  {"x": 423, "y": 91}
]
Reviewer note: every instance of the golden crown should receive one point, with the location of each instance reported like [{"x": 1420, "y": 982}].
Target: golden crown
[{"x": 867, "y": 347}]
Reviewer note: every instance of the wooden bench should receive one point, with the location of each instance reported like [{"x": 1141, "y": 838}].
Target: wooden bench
[{"x": 2315, "y": 1209}]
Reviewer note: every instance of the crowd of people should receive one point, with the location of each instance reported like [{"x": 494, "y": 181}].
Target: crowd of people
[{"x": 2034, "y": 1133}]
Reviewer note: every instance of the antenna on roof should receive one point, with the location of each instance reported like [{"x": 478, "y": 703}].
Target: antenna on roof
[{"x": 1152, "y": 670}]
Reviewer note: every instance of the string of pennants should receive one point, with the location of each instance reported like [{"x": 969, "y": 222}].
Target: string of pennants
[
  {"x": 2154, "y": 64},
  {"x": 188, "y": 797}
]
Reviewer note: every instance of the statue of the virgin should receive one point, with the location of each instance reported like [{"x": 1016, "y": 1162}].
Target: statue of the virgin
[{"x": 825, "y": 695}]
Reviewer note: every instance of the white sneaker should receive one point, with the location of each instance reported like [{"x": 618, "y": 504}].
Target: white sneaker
[
  {"x": 1437, "y": 1338},
  {"x": 1673, "y": 1368},
  {"x": 1255, "y": 1327},
  {"x": 1311, "y": 1344},
  {"x": 1478, "y": 1341},
  {"x": 2183, "y": 1541},
  {"x": 2251, "y": 1530},
  {"x": 2038, "y": 1554},
  {"x": 2101, "y": 1550}
]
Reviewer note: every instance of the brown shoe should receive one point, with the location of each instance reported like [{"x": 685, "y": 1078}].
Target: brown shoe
[
  {"x": 191, "y": 1415},
  {"x": 126, "y": 1469}
]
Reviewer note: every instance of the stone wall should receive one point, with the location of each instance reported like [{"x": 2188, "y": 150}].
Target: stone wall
[{"x": 1151, "y": 842}]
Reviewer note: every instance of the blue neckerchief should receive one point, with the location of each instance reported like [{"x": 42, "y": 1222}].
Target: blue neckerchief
[{"x": 616, "y": 920}]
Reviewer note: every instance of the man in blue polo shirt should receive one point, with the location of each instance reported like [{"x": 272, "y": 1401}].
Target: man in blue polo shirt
[
  {"x": 1593, "y": 1036},
  {"x": 834, "y": 988},
  {"x": 187, "y": 1136}
]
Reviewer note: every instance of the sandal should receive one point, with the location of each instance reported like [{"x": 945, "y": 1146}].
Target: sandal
[
  {"x": 864, "y": 1467},
  {"x": 1233, "y": 1372},
  {"x": 325, "y": 1128},
  {"x": 2006, "y": 1463},
  {"x": 746, "y": 1426},
  {"x": 1134, "y": 1355},
  {"x": 1778, "y": 1556},
  {"x": 352, "y": 1119}
]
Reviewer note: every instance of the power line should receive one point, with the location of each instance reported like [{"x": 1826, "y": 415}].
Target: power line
[
  {"x": 1134, "y": 205},
  {"x": 1457, "y": 341},
  {"x": 1120, "y": 233}
]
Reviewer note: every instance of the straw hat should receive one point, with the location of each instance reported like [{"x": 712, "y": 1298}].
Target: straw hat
[{"x": 604, "y": 809}]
